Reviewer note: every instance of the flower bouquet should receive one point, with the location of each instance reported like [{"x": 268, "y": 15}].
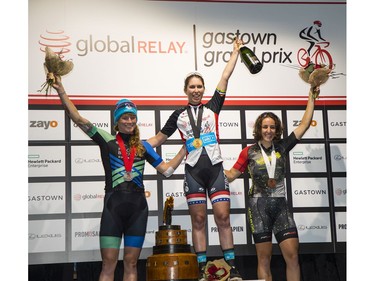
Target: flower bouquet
[
  {"x": 315, "y": 75},
  {"x": 217, "y": 270},
  {"x": 54, "y": 65}
]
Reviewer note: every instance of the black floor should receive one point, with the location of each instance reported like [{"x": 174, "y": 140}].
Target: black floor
[{"x": 314, "y": 267}]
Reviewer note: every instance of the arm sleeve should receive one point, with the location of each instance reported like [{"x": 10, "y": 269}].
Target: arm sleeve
[
  {"x": 290, "y": 142},
  {"x": 171, "y": 125},
  {"x": 151, "y": 156},
  {"x": 242, "y": 160},
  {"x": 216, "y": 102}
]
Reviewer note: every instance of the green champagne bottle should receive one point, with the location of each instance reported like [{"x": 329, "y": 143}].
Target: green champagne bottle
[{"x": 250, "y": 60}]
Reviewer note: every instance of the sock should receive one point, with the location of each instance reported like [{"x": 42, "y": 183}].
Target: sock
[
  {"x": 229, "y": 257},
  {"x": 202, "y": 259}
]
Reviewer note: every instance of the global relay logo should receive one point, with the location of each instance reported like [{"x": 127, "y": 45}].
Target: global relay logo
[{"x": 57, "y": 41}]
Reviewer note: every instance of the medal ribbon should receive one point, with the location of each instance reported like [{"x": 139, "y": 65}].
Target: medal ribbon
[
  {"x": 196, "y": 127},
  {"x": 271, "y": 166},
  {"x": 128, "y": 160}
]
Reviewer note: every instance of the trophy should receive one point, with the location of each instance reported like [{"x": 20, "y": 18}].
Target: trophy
[
  {"x": 172, "y": 258},
  {"x": 167, "y": 213}
]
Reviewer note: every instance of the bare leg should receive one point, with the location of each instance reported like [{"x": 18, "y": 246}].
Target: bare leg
[
  {"x": 131, "y": 255},
  {"x": 109, "y": 263},
  {"x": 198, "y": 215},
  {"x": 264, "y": 254},
  {"x": 289, "y": 249},
  {"x": 222, "y": 220}
]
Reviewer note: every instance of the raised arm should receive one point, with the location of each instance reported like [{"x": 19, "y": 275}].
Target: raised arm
[
  {"x": 307, "y": 116},
  {"x": 228, "y": 70},
  {"x": 69, "y": 107}
]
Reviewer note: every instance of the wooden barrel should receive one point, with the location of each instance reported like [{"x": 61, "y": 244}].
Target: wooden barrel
[
  {"x": 183, "y": 266},
  {"x": 172, "y": 258},
  {"x": 171, "y": 249},
  {"x": 170, "y": 236}
]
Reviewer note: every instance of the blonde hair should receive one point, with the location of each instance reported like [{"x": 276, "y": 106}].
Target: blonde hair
[{"x": 135, "y": 140}]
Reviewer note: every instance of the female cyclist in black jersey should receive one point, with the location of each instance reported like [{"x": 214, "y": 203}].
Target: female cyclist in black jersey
[
  {"x": 125, "y": 210},
  {"x": 268, "y": 210}
]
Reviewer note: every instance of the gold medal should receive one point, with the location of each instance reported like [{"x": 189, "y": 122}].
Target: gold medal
[
  {"x": 197, "y": 143},
  {"x": 128, "y": 176},
  {"x": 271, "y": 183}
]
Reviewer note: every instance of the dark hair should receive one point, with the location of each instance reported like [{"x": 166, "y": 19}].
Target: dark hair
[
  {"x": 191, "y": 75},
  {"x": 257, "y": 132}
]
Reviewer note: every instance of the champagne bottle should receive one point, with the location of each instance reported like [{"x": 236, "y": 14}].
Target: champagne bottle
[{"x": 250, "y": 60}]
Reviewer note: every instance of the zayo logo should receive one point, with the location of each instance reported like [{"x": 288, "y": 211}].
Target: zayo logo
[
  {"x": 296, "y": 123},
  {"x": 44, "y": 124}
]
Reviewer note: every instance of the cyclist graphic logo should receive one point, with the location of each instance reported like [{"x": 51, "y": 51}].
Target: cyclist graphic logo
[{"x": 319, "y": 56}]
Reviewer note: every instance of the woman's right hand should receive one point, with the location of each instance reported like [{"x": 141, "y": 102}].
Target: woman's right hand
[
  {"x": 237, "y": 44},
  {"x": 57, "y": 85}
]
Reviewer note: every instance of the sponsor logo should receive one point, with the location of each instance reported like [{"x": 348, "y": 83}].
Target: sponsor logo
[
  {"x": 148, "y": 194},
  {"x": 342, "y": 226},
  {"x": 236, "y": 193},
  {"x": 310, "y": 192},
  {"x": 211, "y": 39},
  {"x": 79, "y": 197},
  {"x": 237, "y": 229},
  {"x": 296, "y": 123},
  {"x": 339, "y": 191},
  {"x": 299, "y": 158},
  {"x": 131, "y": 45},
  {"x": 44, "y": 124},
  {"x": 37, "y": 198},
  {"x": 316, "y": 50},
  {"x": 234, "y": 229},
  {"x": 33, "y": 236},
  {"x": 35, "y": 162},
  {"x": 230, "y": 158},
  {"x": 251, "y": 124},
  {"x": 338, "y": 124},
  {"x": 312, "y": 227},
  {"x": 289, "y": 233},
  {"x": 339, "y": 157},
  {"x": 145, "y": 125},
  {"x": 83, "y": 234},
  {"x": 99, "y": 125},
  {"x": 229, "y": 124},
  {"x": 175, "y": 194},
  {"x": 85, "y": 161},
  {"x": 56, "y": 40}
]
